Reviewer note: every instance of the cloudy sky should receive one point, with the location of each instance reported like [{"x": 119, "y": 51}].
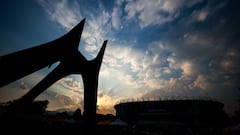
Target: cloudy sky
[{"x": 156, "y": 48}]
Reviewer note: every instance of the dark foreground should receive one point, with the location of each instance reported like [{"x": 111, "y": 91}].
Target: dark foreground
[
  {"x": 39, "y": 121},
  {"x": 43, "y": 127}
]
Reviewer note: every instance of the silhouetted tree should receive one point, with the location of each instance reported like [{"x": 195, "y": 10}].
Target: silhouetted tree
[
  {"x": 36, "y": 107},
  {"x": 236, "y": 117},
  {"x": 77, "y": 114},
  {"x": 39, "y": 107}
]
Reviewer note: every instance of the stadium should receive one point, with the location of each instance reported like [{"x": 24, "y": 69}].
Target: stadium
[{"x": 201, "y": 113}]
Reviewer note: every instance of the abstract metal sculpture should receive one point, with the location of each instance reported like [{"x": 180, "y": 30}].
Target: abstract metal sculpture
[{"x": 64, "y": 50}]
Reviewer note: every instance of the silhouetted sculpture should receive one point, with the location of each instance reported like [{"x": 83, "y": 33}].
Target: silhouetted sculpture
[
  {"x": 76, "y": 65},
  {"x": 65, "y": 50}
]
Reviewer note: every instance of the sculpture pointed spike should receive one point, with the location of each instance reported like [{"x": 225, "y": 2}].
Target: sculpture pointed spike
[
  {"x": 99, "y": 57},
  {"x": 74, "y": 35}
]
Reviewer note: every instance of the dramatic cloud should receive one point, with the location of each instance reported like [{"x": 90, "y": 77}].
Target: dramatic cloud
[
  {"x": 156, "y": 11},
  {"x": 200, "y": 15},
  {"x": 71, "y": 84},
  {"x": 62, "y": 12},
  {"x": 67, "y": 102},
  {"x": 116, "y": 15},
  {"x": 201, "y": 82},
  {"x": 23, "y": 85},
  {"x": 230, "y": 62},
  {"x": 106, "y": 103},
  {"x": 95, "y": 32}
]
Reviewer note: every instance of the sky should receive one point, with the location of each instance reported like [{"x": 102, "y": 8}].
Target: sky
[{"x": 168, "y": 49}]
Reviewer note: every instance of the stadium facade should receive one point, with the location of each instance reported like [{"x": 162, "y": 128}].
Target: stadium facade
[{"x": 189, "y": 112}]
